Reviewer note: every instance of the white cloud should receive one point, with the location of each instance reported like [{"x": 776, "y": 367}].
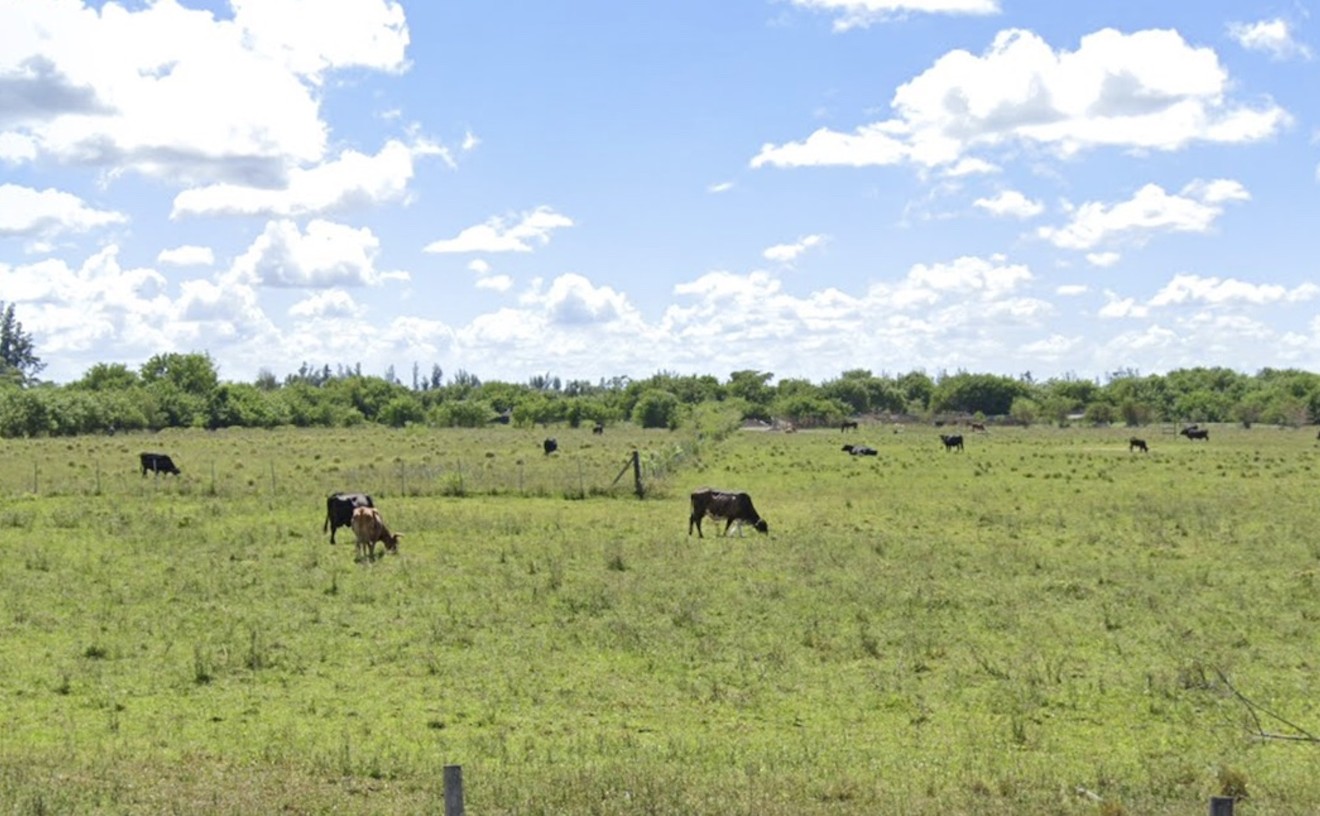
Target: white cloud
[
  {"x": 1104, "y": 260},
  {"x": 178, "y": 93},
  {"x": 1071, "y": 289},
  {"x": 327, "y": 254},
  {"x": 1274, "y": 37},
  {"x": 788, "y": 253},
  {"x": 186, "y": 256},
  {"x": 497, "y": 283},
  {"x": 573, "y": 300},
  {"x": 25, "y": 212},
  {"x": 1184, "y": 289},
  {"x": 351, "y": 180},
  {"x": 1151, "y": 210},
  {"x": 862, "y": 13},
  {"x": 1148, "y": 90},
  {"x": 497, "y": 235},
  {"x": 1120, "y": 307},
  {"x": 331, "y": 303},
  {"x": 720, "y": 187},
  {"x": 1010, "y": 203}
]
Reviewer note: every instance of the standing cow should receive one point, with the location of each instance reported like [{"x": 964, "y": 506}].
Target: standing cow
[
  {"x": 550, "y": 445},
  {"x": 954, "y": 442},
  {"x": 369, "y": 528},
  {"x": 1135, "y": 444},
  {"x": 723, "y": 505},
  {"x": 157, "y": 463},
  {"x": 339, "y": 509}
]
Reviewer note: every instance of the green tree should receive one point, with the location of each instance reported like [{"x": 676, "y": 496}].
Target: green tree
[
  {"x": 656, "y": 409},
  {"x": 108, "y": 377},
  {"x": 194, "y": 374},
  {"x": 971, "y": 393},
  {"x": 18, "y": 360}
]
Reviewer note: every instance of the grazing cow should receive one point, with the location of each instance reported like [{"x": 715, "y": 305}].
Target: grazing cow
[
  {"x": 157, "y": 463},
  {"x": 1135, "y": 444},
  {"x": 598, "y": 428},
  {"x": 339, "y": 509},
  {"x": 1196, "y": 433},
  {"x": 727, "y": 506},
  {"x": 952, "y": 442},
  {"x": 369, "y": 528},
  {"x": 978, "y": 426},
  {"x": 861, "y": 450},
  {"x": 550, "y": 445},
  {"x": 848, "y": 425}
]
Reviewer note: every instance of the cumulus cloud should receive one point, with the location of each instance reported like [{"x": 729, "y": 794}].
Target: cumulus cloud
[
  {"x": 497, "y": 234},
  {"x": 179, "y": 93},
  {"x": 1186, "y": 288},
  {"x": 186, "y": 255},
  {"x": 1104, "y": 260},
  {"x": 788, "y": 253},
  {"x": 25, "y": 212},
  {"x": 1148, "y": 90},
  {"x": 353, "y": 180},
  {"x": 332, "y": 303},
  {"x": 573, "y": 300},
  {"x": 1274, "y": 37},
  {"x": 862, "y": 13},
  {"x": 327, "y": 254},
  {"x": 1010, "y": 203},
  {"x": 1151, "y": 210}
]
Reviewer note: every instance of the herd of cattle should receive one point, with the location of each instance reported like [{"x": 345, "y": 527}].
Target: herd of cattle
[{"x": 358, "y": 512}]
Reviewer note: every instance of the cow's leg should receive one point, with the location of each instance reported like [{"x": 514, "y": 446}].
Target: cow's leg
[{"x": 695, "y": 519}]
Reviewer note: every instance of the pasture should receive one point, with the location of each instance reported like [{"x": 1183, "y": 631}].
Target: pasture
[{"x": 1044, "y": 623}]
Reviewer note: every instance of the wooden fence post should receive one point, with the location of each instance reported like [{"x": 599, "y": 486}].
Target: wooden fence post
[
  {"x": 637, "y": 473},
  {"x": 1221, "y": 805},
  {"x": 453, "y": 790}
]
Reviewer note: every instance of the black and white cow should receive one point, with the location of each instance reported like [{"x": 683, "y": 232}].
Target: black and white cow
[
  {"x": 339, "y": 509},
  {"x": 726, "y": 506},
  {"x": 157, "y": 463}
]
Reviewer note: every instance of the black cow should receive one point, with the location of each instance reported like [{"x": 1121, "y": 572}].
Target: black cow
[
  {"x": 1135, "y": 444},
  {"x": 1196, "y": 433},
  {"x": 952, "y": 442},
  {"x": 157, "y": 463},
  {"x": 550, "y": 446},
  {"x": 848, "y": 425},
  {"x": 339, "y": 509},
  {"x": 861, "y": 450},
  {"x": 727, "y": 506},
  {"x": 598, "y": 428}
]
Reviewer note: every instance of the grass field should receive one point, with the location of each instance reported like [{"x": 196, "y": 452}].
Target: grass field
[{"x": 1043, "y": 624}]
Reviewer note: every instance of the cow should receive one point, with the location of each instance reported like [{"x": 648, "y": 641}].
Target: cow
[
  {"x": 550, "y": 445},
  {"x": 952, "y": 442},
  {"x": 1196, "y": 433},
  {"x": 598, "y": 428},
  {"x": 339, "y": 509},
  {"x": 861, "y": 450},
  {"x": 978, "y": 426},
  {"x": 369, "y": 528},
  {"x": 727, "y": 506},
  {"x": 848, "y": 425},
  {"x": 1135, "y": 444},
  {"x": 157, "y": 463}
]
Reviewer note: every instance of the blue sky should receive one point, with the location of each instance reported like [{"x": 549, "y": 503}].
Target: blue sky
[{"x": 588, "y": 189}]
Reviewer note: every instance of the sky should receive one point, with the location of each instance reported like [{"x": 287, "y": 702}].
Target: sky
[{"x": 587, "y": 189}]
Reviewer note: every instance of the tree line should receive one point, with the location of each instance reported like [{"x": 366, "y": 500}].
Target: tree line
[{"x": 184, "y": 390}]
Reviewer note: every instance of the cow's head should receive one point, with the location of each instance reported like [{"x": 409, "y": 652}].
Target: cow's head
[
  {"x": 760, "y": 526},
  {"x": 392, "y": 542}
]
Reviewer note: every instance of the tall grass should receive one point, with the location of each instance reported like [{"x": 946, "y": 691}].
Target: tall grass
[{"x": 1039, "y": 625}]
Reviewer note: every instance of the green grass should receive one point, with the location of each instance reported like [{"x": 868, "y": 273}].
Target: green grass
[{"x": 1021, "y": 628}]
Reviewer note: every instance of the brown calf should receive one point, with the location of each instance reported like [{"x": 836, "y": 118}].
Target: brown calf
[{"x": 369, "y": 528}]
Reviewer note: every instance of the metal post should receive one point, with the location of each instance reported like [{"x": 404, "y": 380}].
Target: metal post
[
  {"x": 1221, "y": 805},
  {"x": 453, "y": 790}
]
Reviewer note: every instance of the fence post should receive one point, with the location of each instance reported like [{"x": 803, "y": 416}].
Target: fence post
[
  {"x": 637, "y": 473},
  {"x": 1221, "y": 805},
  {"x": 453, "y": 790}
]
